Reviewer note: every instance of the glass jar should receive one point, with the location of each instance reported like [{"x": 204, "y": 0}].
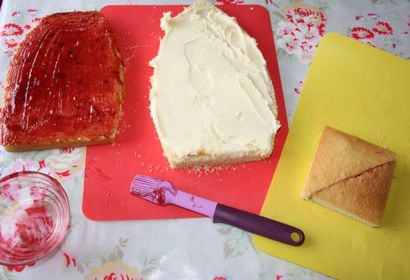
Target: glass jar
[{"x": 34, "y": 217}]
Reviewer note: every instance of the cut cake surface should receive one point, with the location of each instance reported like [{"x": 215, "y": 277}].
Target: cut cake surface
[{"x": 350, "y": 176}]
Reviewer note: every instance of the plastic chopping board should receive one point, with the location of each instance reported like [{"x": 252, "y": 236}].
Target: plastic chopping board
[
  {"x": 364, "y": 91},
  {"x": 110, "y": 168}
]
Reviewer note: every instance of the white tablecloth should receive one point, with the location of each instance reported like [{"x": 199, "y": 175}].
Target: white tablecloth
[{"x": 186, "y": 248}]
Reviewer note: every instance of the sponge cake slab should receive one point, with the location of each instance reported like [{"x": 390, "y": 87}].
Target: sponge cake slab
[{"x": 350, "y": 176}]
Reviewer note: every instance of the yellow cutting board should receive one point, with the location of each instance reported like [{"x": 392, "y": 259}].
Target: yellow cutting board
[{"x": 365, "y": 92}]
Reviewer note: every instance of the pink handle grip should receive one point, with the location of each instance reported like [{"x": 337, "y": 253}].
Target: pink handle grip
[{"x": 194, "y": 203}]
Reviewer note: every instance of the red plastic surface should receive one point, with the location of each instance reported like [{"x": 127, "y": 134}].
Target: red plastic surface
[{"x": 137, "y": 150}]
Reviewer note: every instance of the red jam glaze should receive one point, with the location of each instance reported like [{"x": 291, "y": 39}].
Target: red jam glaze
[
  {"x": 63, "y": 81},
  {"x": 35, "y": 229},
  {"x": 159, "y": 196}
]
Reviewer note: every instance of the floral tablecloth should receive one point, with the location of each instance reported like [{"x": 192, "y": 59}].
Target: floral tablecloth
[{"x": 186, "y": 248}]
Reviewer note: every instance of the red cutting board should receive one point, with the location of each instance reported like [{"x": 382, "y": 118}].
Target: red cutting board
[{"x": 110, "y": 168}]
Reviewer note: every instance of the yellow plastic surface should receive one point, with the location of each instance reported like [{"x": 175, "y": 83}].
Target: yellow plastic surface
[{"x": 365, "y": 92}]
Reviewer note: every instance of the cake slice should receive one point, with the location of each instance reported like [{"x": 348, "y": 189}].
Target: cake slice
[
  {"x": 350, "y": 176},
  {"x": 212, "y": 100},
  {"x": 64, "y": 86}
]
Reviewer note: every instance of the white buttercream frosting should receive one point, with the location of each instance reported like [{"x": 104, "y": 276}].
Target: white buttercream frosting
[{"x": 211, "y": 93}]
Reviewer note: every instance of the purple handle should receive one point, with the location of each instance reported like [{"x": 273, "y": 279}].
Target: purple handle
[{"x": 258, "y": 225}]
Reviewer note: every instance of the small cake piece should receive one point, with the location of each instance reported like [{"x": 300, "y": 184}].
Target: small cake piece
[
  {"x": 64, "y": 86},
  {"x": 350, "y": 176},
  {"x": 212, "y": 101}
]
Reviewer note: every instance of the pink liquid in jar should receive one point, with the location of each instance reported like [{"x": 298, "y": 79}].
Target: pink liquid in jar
[{"x": 34, "y": 217}]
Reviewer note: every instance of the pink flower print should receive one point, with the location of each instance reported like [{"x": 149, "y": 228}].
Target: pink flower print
[
  {"x": 308, "y": 39},
  {"x": 362, "y": 33},
  {"x": 64, "y": 164},
  {"x": 10, "y": 43},
  {"x": 305, "y": 14},
  {"x": 13, "y": 32},
  {"x": 300, "y": 34},
  {"x": 65, "y": 173},
  {"x": 289, "y": 43},
  {"x": 25, "y": 165},
  {"x": 383, "y": 28},
  {"x": 32, "y": 11},
  {"x": 298, "y": 88},
  {"x": 9, "y": 52},
  {"x": 285, "y": 28},
  {"x": 408, "y": 25},
  {"x": 68, "y": 149},
  {"x": 376, "y": 32},
  {"x": 229, "y": 1},
  {"x": 306, "y": 56},
  {"x": 18, "y": 268},
  {"x": 11, "y": 29},
  {"x": 69, "y": 260},
  {"x": 308, "y": 35},
  {"x": 36, "y": 20}
]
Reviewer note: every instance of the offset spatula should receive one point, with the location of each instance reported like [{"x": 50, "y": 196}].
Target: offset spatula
[{"x": 163, "y": 193}]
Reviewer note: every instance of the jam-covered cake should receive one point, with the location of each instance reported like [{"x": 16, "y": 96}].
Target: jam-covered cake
[{"x": 65, "y": 85}]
